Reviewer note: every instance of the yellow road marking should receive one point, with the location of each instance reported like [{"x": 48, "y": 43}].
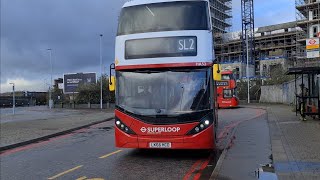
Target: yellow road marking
[
  {"x": 107, "y": 155},
  {"x": 65, "y": 172},
  {"x": 82, "y": 178}
]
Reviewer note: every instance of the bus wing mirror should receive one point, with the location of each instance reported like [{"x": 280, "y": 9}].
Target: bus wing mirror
[
  {"x": 112, "y": 83},
  {"x": 217, "y": 72},
  {"x": 112, "y": 79}
]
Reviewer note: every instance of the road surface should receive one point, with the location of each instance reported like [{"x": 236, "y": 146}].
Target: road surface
[{"x": 90, "y": 153}]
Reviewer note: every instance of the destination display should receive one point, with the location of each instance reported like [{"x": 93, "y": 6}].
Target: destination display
[{"x": 161, "y": 47}]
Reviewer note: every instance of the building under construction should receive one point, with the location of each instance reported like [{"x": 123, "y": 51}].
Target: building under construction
[
  {"x": 275, "y": 46},
  {"x": 221, "y": 13},
  {"x": 308, "y": 19}
]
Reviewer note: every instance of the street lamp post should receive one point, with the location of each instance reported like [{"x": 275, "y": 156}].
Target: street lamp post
[
  {"x": 248, "y": 78},
  {"x": 50, "y": 93},
  {"x": 13, "y": 98},
  {"x": 101, "y": 70}
]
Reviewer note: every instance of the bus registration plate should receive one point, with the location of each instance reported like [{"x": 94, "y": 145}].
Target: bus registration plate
[{"x": 160, "y": 145}]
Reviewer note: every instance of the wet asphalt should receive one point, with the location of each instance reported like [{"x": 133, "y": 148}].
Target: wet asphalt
[{"x": 90, "y": 153}]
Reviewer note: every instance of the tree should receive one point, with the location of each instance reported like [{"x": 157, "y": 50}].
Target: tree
[
  {"x": 255, "y": 89},
  {"x": 277, "y": 76},
  {"x": 90, "y": 93},
  {"x": 56, "y": 93}
]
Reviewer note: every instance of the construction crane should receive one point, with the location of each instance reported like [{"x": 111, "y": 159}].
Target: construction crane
[
  {"x": 248, "y": 43},
  {"x": 247, "y": 18}
]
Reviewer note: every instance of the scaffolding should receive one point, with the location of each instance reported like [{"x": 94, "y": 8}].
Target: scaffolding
[
  {"x": 308, "y": 20},
  {"x": 221, "y": 13},
  {"x": 274, "y": 45}
]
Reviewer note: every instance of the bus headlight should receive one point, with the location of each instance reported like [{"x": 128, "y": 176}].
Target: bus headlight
[
  {"x": 207, "y": 122},
  {"x": 123, "y": 127},
  {"x": 204, "y": 124}
]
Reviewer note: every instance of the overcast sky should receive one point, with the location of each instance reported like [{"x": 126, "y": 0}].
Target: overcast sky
[{"x": 71, "y": 29}]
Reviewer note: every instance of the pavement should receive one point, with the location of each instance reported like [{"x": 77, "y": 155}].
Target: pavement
[
  {"x": 295, "y": 144},
  {"x": 34, "y": 122},
  {"x": 276, "y": 137},
  {"x": 248, "y": 148}
]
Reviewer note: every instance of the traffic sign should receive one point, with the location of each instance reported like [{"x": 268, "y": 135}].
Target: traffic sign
[{"x": 312, "y": 47}]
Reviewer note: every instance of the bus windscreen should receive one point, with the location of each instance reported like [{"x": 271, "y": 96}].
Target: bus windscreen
[
  {"x": 167, "y": 16},
  {"x": 164, "y": 92}
]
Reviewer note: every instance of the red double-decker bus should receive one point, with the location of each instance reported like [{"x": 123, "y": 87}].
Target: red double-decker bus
[
  {"x": 163, "y": 72},
  {"x": 227, "y": 90}
]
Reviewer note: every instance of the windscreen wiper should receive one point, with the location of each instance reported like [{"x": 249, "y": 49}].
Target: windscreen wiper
[{"x": 150, "y": 11}]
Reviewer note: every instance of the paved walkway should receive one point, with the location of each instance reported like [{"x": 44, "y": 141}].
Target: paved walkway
[
  {"x": 34, "y": 122},
  {"x": 295, "y": 144},
  {"x": 249, "y": 148}
]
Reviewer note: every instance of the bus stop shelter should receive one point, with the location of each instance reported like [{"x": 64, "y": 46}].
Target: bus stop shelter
[{"x": 307, "y": 100}]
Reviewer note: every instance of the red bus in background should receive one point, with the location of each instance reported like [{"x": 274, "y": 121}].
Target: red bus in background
[{"x": 227, "y": 90}]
